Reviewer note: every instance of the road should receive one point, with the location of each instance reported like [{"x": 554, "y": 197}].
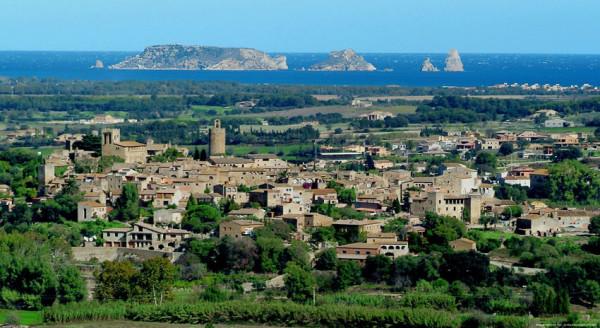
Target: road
[{"x": 517, "y": 269}]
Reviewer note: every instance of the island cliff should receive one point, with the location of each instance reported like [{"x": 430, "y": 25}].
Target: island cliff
[
  {"x": 428, "y": 66},
  {"x": 179, "y": 57},
  {"x": 98, "y": 64},
  {"x": 346, "y": 60},
  {"x": 453, "y": 62}
]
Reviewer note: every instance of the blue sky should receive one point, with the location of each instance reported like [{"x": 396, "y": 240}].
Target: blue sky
[{"x": 402, "y": 26}]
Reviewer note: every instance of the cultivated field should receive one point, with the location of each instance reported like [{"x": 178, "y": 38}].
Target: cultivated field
[{"x": 346, "y": 111}]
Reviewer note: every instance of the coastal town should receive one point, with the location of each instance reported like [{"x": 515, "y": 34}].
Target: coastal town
[
  {"x": 265, "y": 188},
  {"x": 303, "y": 200}
]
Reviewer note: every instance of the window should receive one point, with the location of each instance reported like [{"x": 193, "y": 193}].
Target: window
[
  {"x": 368, "y": 252},
  {"x": 344, "y": 251},
  {"x": 356, "y": 252}
]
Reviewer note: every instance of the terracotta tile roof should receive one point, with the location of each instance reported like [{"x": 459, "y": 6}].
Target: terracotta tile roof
[{"x": 129, "y": 144}]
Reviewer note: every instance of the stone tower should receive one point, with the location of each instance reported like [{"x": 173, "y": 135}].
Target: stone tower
[
  {"x": 474, "y": 206},
  {"x": 45, "y": 176},
  {"x": 216, "y": 140},
  {"x": 109, "y": 138}
]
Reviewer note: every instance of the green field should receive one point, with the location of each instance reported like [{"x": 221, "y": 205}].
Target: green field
[
  {"x": 204, "y": 109},
  {"x": 258, "y": 149},
  {"x": 346, "y": 111},
  {"x": 27, "y": 317},
  {"x": 584, "y": 129}
]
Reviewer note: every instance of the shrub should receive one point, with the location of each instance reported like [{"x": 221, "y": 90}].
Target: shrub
[
  {"x": 13, "y": 318},
  {"x": 213, "y": 294}
]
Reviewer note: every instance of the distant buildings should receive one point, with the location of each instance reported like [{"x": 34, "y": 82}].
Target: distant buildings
[{"x": 557, "y": 123}]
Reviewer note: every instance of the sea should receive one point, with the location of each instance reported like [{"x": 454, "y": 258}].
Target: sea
[{"x": 392, "y": 69}]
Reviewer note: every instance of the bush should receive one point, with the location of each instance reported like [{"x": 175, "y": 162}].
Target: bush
[
  {"x": 430, "y": 300},
  {"x": 13, "y": 318},
  {"x": 213, "y": 294}
]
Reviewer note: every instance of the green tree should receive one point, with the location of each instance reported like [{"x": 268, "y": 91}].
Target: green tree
[
  {"x": 486, "y": 162},
  {"x": 573, "y": 182},
  {"x": 169, "y": 155},
  {"x": 369, "y": 163},
  {"x": 71, "y": 287},
  {"x": 471, "y": 268},
  {"x": 348, "y": 274},
  {"x": 591, "y": 292},
  {"x": 442, "y": 229},
  {"x": 127, "y": 205},
  {"x": 201, "y": 219},
  {"x": 522, "y": 143},
  {"x": 64, "y": 204},
  {"x": 594, "y": 227},
  {"x": 396, "y": 206},
  {"x": 299, "y": 283},
  {"x": 466, "y": 215},
  {"x": 155, "y": 280},
  {"x": 274, "y": 229},
  {"x": 196, "y": 155},
  {"x": 89, "y": 142},
  {"x": 377, "y": 268},
  {"x": 227, "y": 205},
  {"x": 347, "y": 195},
  {"x": 512, "y": 211},
  {"x": 570, "y": 153},
  {"x": 233, "y": 255},
  {"x": 323, "y": 234},
  {"x": 269, "y": 251},
  {"x": 326, "y": 259},
  {"x": 544, "y": 299},
  {"x": 516, "y": 193},
  {"x": 296, "y": 253},
  {"x": 115, "y": 281},
  {"x": 506, "y": 149}
]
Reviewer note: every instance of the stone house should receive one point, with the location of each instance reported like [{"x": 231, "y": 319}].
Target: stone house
[
  {"x": 358, "y": 226},
  {"x": 381, "y": 237},
  {"x": 90, "y": 211},
  {"x": 361, "y": 251},
  {"x": 258, "y": 213},
  {"x": 383, "y": 164},
  {"x": 265, "y": 197},
  {"x": 307, "y": 220},
  {"x": 325, "y": 196},
  {"x": 557, "y": 123},
  {"x": 145, "y": 236},
  {"x": 445, "y": 204},
  {"x": 238, "y": 228},
  {"x": 463, "y": 244},
  {"x": 487, "y": 144},
  {"x": 168, "y": 216},
  {"x": 537, "y": 225}
]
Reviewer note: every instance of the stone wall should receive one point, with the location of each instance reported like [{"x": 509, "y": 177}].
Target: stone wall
[{"x": 85, "y": 254}]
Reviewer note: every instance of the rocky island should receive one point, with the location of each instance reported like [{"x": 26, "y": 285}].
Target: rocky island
[
  {"x": 453, "y": 62},
  {"x": 98, "y": 64},
  {"x": 345, "y": 60},
  {"x": 180, "y": 57},
  {"x": 428, "y": 66}
]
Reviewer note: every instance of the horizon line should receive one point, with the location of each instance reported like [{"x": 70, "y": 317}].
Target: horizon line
[{"x": 325, "y": 52}]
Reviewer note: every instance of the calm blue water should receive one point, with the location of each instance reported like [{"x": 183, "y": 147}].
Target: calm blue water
[{"x": 480, "y": 69}]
